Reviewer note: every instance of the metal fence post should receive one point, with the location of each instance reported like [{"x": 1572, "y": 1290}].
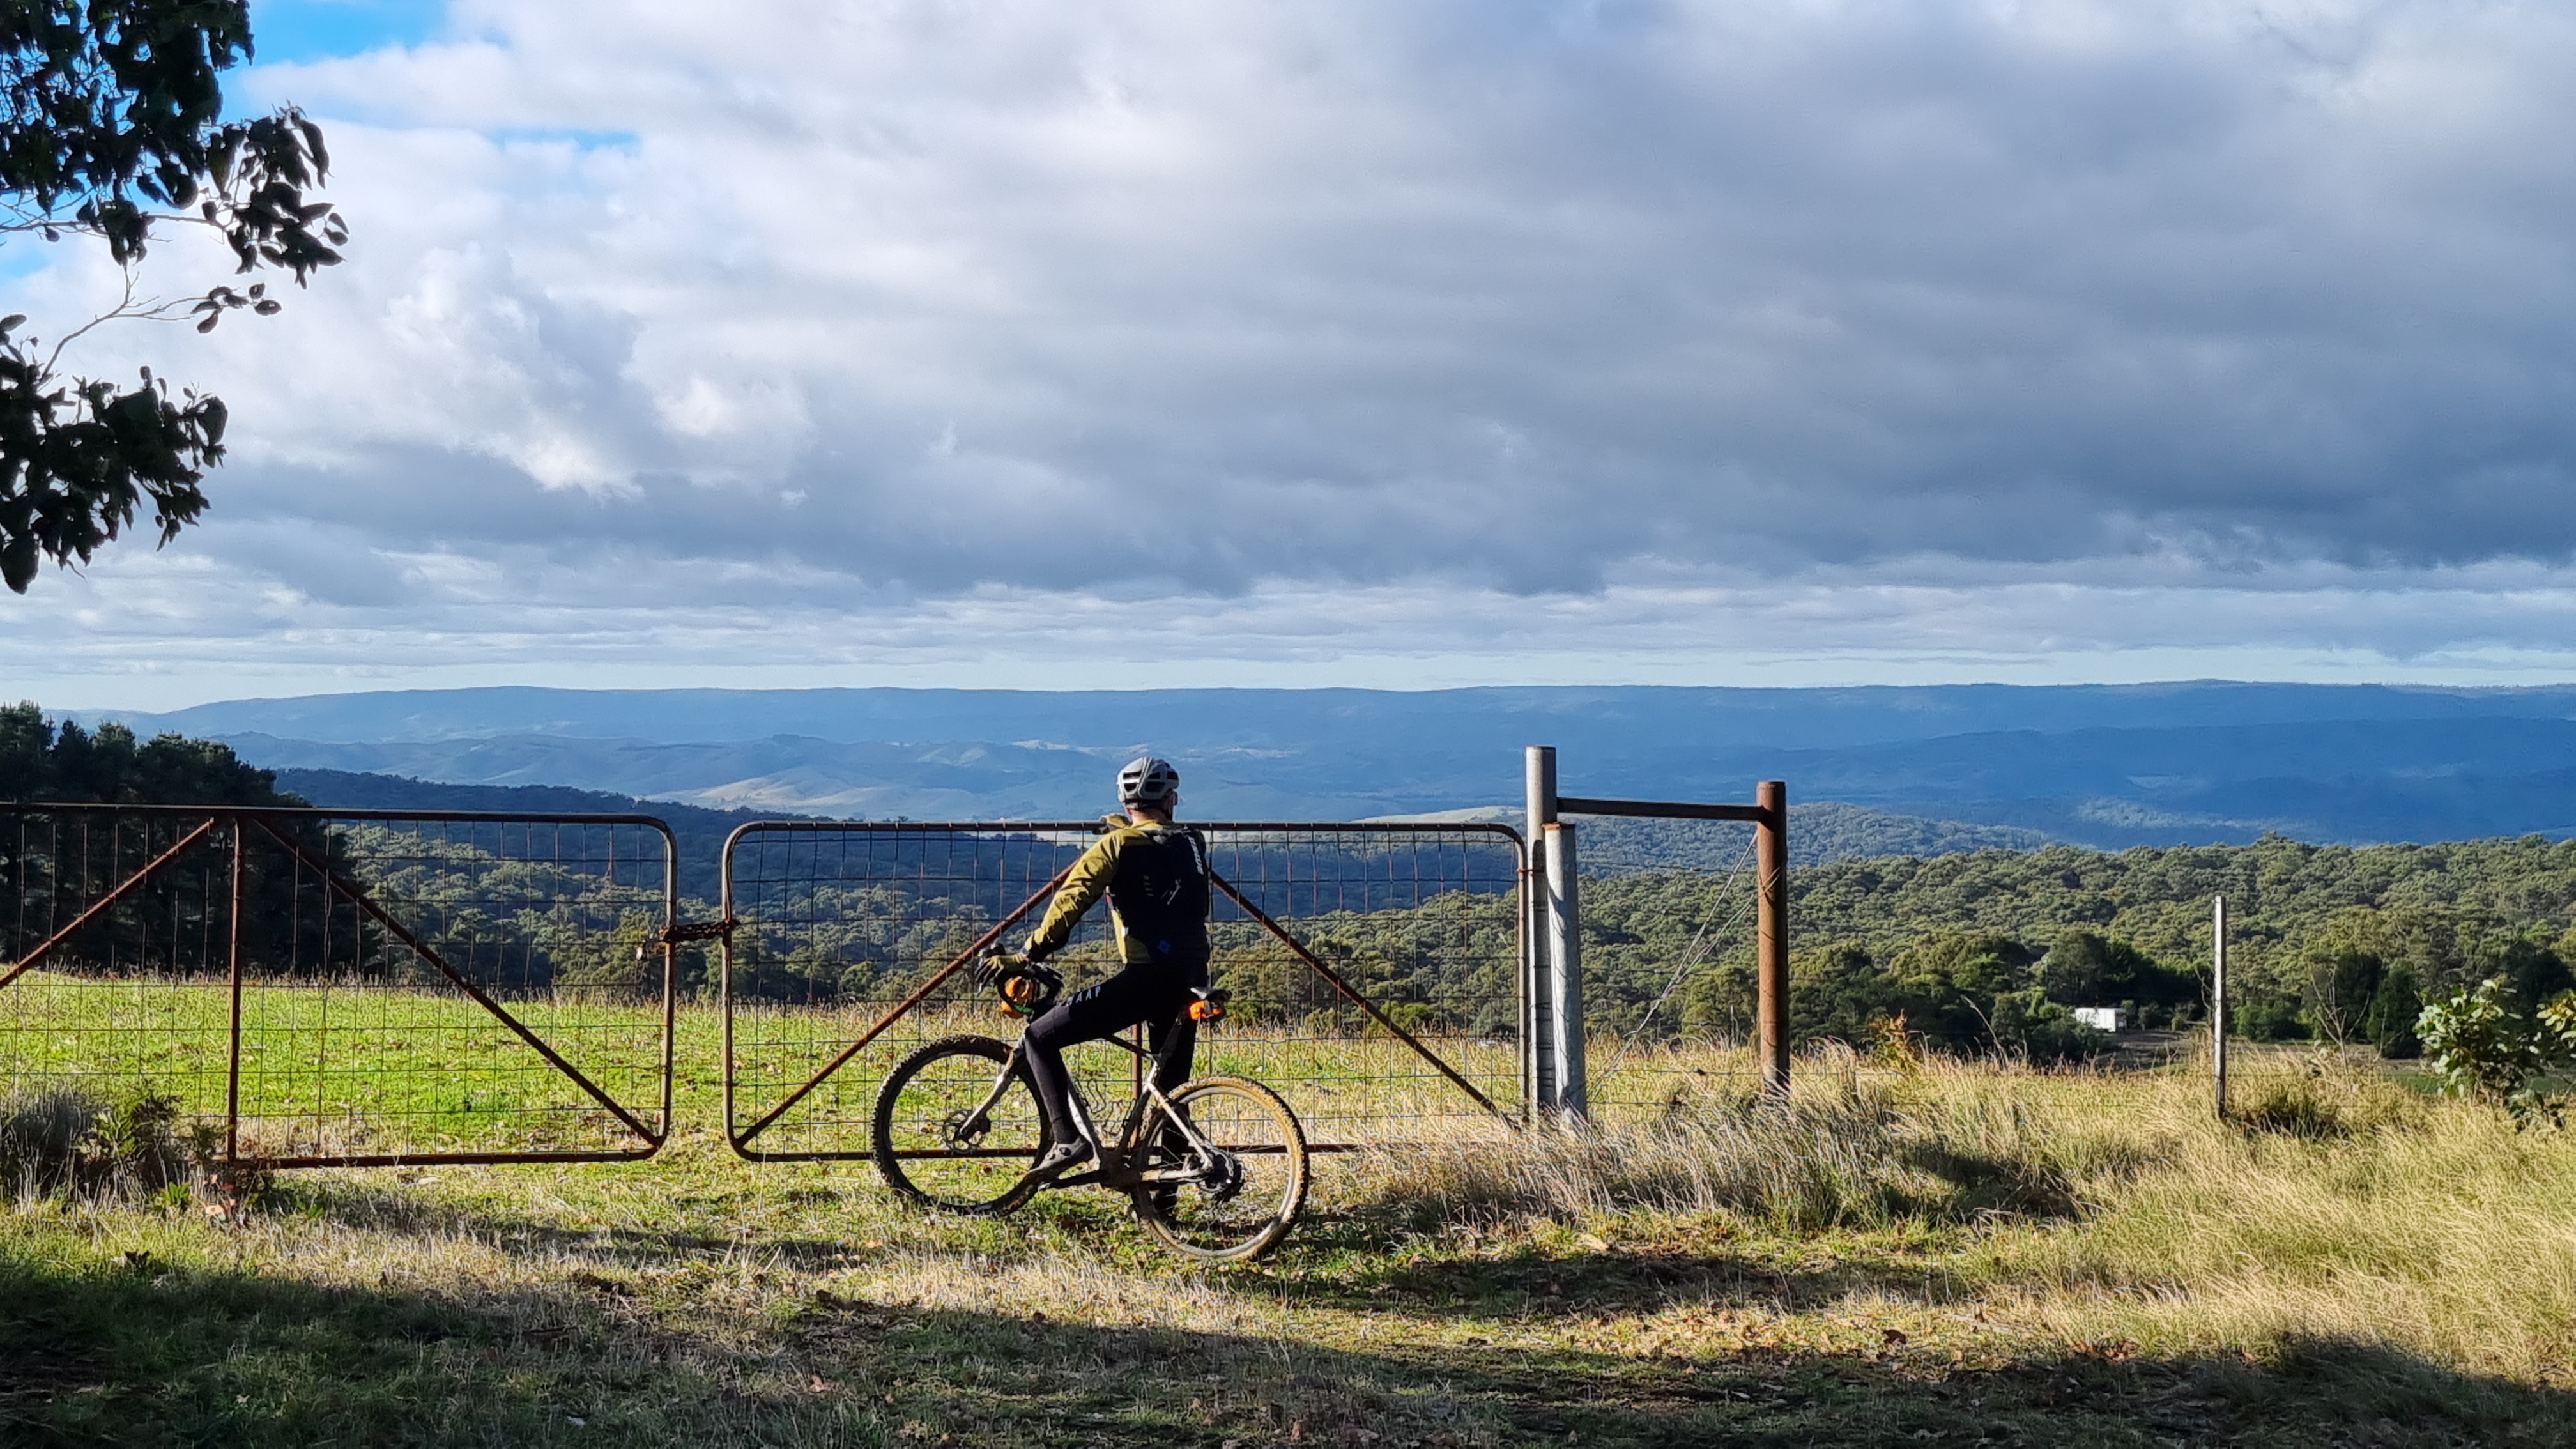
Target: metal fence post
[
  {"x": 1565, "y": 955},
  {"x": 1538, "y": 1037},
  {"x": 2218, "y": 1001},
  {"x": 1771, "y": 933}
]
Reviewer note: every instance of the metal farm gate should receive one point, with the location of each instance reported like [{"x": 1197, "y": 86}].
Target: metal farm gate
[
  {"x": 1378, "y": 970},
  {"x": 311, "y": 988}
]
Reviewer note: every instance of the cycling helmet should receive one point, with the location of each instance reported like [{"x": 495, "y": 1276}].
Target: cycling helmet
[{"x": 1148, "y": 780}]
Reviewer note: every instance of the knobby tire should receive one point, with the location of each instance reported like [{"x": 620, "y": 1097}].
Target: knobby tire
[
  {"x": 916, "y": 1112},
  {"x": 1195, "y": 1219}
]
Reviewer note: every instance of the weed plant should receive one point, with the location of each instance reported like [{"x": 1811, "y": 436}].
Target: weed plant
[{"x": 62, "y": 1141}]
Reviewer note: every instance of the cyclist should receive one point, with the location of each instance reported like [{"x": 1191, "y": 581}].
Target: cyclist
[{"x": 1155, "y": 874}]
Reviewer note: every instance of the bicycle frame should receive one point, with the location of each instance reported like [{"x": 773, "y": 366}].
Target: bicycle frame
[{"x": 1113, "y": 1171}]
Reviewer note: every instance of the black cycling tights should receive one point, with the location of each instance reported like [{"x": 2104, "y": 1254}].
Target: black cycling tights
[{"x": 1151, "y": 994}]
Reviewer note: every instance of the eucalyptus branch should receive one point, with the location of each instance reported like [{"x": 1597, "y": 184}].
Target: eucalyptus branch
[{"x": 112, "y": 122}]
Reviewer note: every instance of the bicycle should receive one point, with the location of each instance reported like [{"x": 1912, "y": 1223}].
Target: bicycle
[{"x": 1215, "y": 1169}]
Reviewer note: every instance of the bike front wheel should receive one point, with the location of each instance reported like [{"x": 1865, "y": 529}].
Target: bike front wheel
[
  {"x": 1240, "y": 1193},
  {"x": 951, "y": 1133}
]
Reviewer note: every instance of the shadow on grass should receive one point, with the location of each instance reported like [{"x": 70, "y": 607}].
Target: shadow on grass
[
  {"x": 391, "y": 1210},
  {"x": 1526, "y": 1279},
  {"x": 102, "y": 1349}
]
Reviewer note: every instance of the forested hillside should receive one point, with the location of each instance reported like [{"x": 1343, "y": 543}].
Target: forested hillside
[
  {"x": 700, "y": 833},
  {"x": 1975, "y": 949},
  {"x": 1987, "y": 945}
]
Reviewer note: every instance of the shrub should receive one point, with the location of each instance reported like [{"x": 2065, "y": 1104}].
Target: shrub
[
  {"x": 63, "y": 1141},
  {"x": 2486, "y": 1045},
  {"x": 2030, "y": 1026},
  {"x": 2264, "y": 1019}
]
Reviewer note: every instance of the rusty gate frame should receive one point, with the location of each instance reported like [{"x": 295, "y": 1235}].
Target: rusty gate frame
[
  {"x": 267, "y": 819},
  {"x": 739, "y": 1138}
]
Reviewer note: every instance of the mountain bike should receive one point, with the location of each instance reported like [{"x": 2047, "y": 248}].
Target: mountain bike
[{"x": 1215, "y": 1169}]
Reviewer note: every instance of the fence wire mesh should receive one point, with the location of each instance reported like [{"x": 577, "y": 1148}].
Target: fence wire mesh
[
  {"x": 840, "y": 962},
  {"x": 1668, "y": 917},
  {"x": 316, "y": 987}
]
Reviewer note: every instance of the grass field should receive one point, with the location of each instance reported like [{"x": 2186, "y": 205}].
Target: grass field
[
  {"x": 351, "y": 1068},
  {"x": 1954, "y": 1254}
]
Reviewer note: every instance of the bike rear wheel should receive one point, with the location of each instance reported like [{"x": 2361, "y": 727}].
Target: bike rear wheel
[
  {"x": 1242, "y": 1203},
  {"x": 932, "y": 1144}
]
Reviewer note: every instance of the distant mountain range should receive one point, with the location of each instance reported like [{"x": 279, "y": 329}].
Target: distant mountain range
[
  {"x": 1819, "y": 832},
  {"x": 2106, "y": 765}
]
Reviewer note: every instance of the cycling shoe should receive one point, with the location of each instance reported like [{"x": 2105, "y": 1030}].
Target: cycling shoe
[{"x": 1056, "y": 1161}]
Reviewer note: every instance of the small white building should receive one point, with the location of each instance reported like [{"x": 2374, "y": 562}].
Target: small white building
[{"x": 2104, "y": 1018}]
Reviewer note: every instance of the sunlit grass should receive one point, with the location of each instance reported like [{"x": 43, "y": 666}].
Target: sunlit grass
[{"x": 1924, "y": 1252}]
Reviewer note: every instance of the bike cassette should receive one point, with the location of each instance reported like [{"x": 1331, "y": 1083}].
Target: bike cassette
[{"x": 1223, "y": 1178}]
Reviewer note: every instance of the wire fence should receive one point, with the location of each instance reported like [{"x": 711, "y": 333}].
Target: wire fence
[
  {"x": 1375, "y": 969},
  {"x": 312, "y": 988},
  {"x": 1668, "y": 959}
]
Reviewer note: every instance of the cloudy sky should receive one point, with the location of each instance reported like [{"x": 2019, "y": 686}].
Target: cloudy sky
[{"x": 1378, "y": 342}]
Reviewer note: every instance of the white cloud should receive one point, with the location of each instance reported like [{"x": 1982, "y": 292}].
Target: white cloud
[{"x": 917, "y": 334}]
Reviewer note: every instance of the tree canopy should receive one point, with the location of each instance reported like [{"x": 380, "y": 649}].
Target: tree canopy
[
  {"x": 112, "y": 126},
  {"x": 42, "y": 760},
  {"x": 1986, "y": 949}
]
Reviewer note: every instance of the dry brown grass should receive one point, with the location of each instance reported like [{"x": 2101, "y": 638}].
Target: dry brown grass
[
  {"x": 2096, "y": 1206},
  {"x": 1903, "y": 1256}
]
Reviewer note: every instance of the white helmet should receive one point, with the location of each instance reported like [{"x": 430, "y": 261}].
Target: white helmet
[{"x": 1148, "y": 780}]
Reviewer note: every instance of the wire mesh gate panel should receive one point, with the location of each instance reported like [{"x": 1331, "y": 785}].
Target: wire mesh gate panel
[
  {"x": 318, "y": 988},
  {"x": 1375, "y": 969},
  {"x": 1668, "y": 961}
]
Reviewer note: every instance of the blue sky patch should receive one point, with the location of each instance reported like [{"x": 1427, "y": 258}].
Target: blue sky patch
[{"x": 299, "y": 30}]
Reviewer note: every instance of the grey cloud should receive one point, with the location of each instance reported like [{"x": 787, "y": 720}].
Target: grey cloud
[{"x": 1523, "y": 296}]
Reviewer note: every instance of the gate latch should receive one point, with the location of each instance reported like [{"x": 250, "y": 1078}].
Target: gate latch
[{"x": 679, "y": 931}]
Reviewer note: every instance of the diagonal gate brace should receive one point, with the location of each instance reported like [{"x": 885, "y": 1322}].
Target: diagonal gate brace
[
  {"x": 151, "y": 868},
  {"x": 919, "y": 994},
  {"x": 1356, "y": 999},
  {"x": 359, "y": 897}
]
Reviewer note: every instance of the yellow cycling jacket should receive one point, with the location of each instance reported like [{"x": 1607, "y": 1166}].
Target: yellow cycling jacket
[{"x": 1156, "y": 879}]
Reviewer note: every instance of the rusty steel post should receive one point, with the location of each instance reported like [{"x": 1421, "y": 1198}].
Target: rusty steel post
[{"x": 1771, "y": 934}]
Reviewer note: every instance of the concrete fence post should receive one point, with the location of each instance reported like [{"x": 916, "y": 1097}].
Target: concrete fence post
[
  {"x": 1538, "y": 1017},
  {"x": 1565, "y": 957}
]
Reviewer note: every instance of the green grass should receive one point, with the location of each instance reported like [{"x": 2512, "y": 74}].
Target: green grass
[
  {"x": 1952, "y": 1255},
  {"x": 346, "y": 1068},
  {"x": 363, "y": 1068}
]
